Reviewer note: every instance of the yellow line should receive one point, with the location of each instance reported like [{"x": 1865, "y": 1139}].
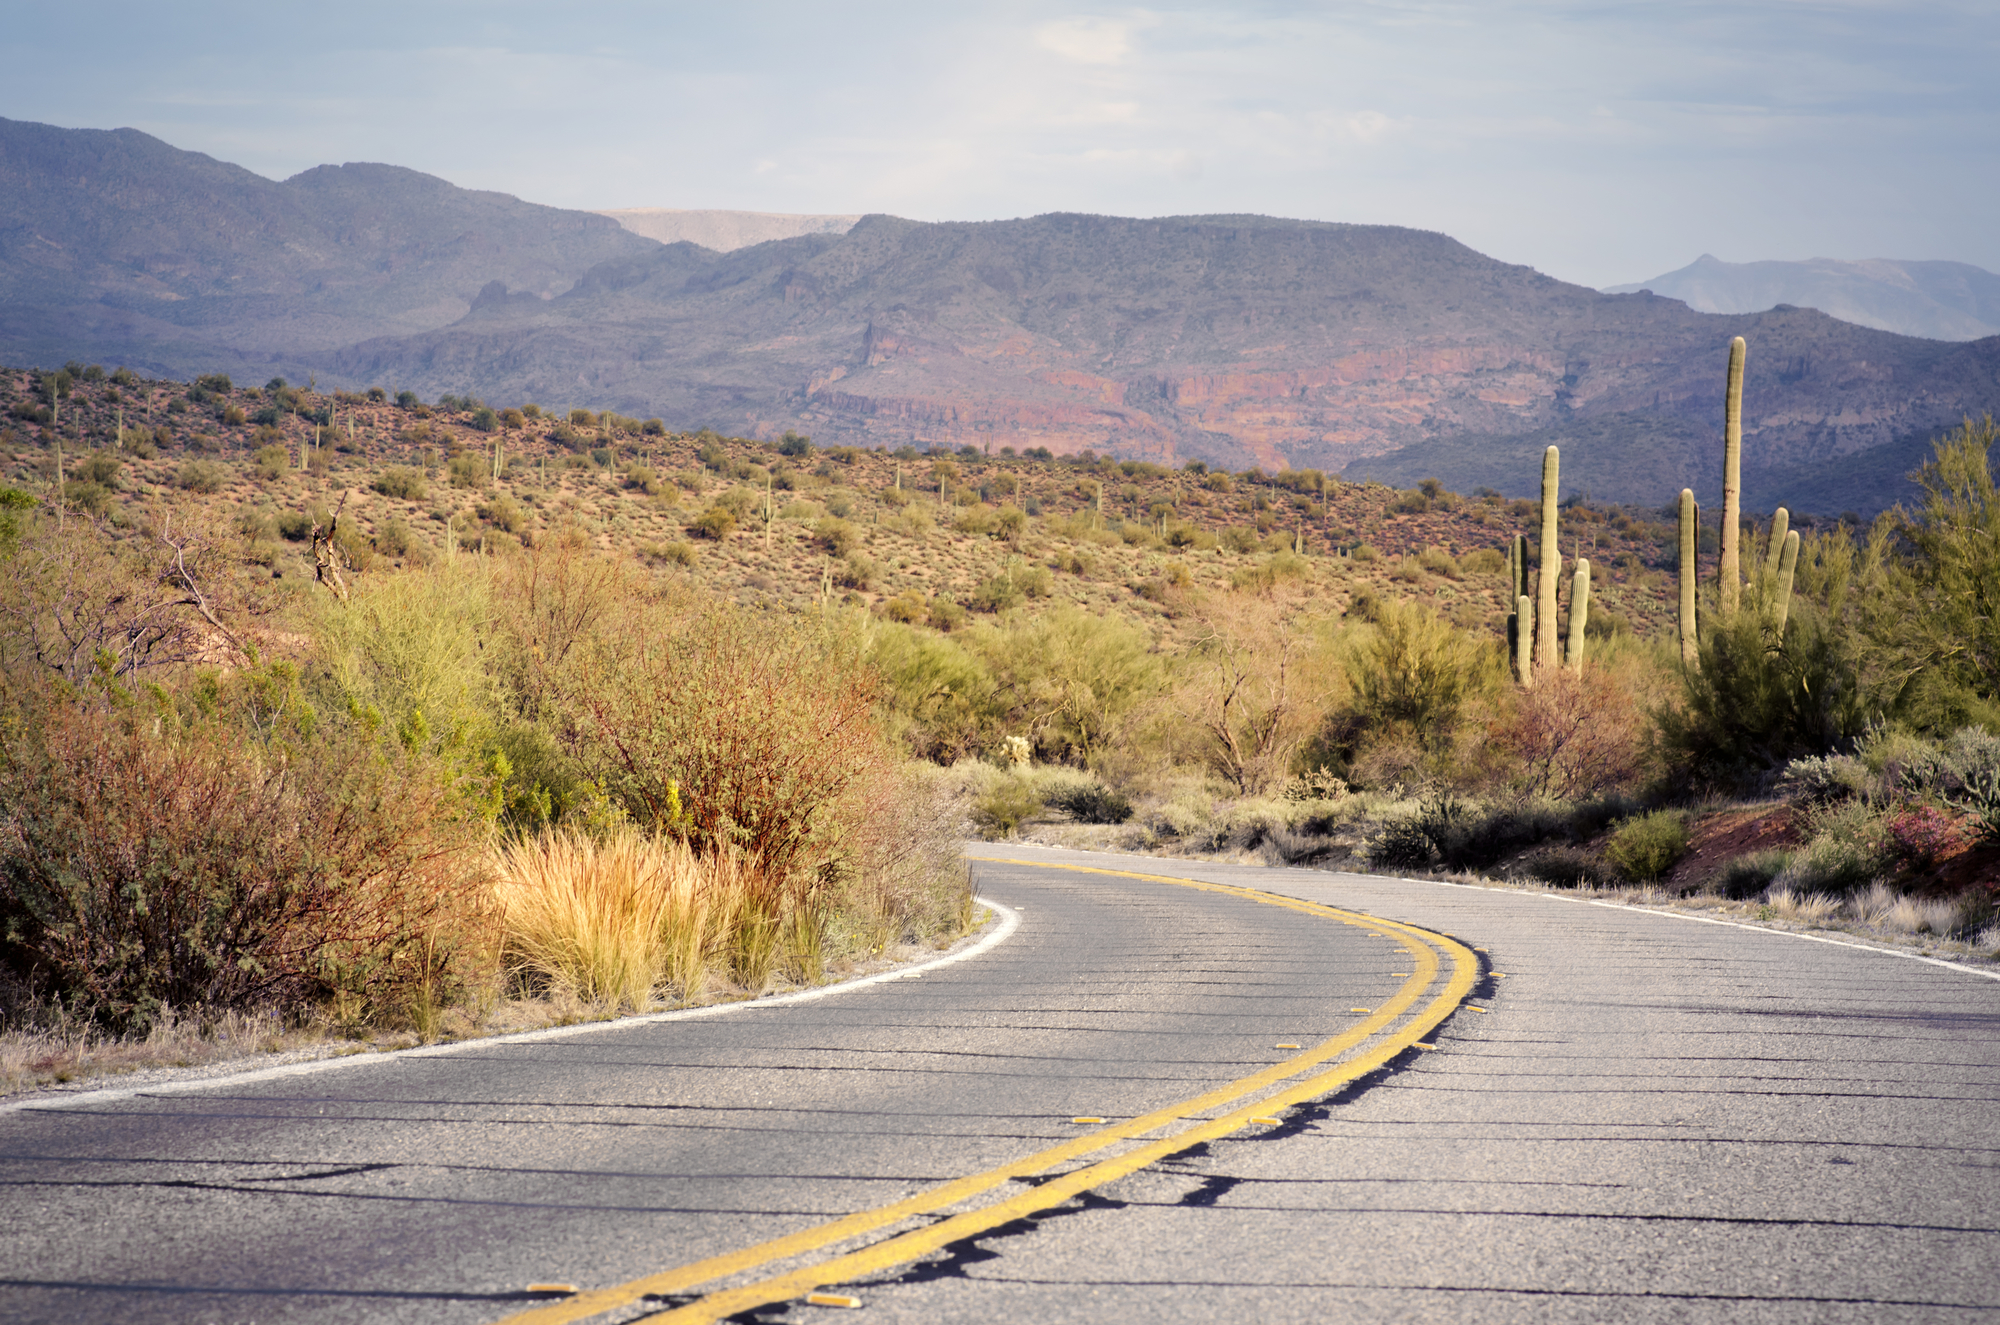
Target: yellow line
[{"x": 921, "y": 1242}]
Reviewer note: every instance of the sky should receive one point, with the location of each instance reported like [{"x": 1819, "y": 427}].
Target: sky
[{"x": 1597, "y": 142}]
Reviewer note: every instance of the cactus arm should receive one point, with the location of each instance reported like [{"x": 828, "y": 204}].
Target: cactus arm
[
  {"x": 1579, "y": 614},
  {"x": 1729, "y": 572},
  {"x": 1689, "y": 526},
  {"x": 1545, "y": 608},
  {"x": 1524, "y": 656},
  {"x": 1788, "y": 563},
  {"x": 1781, "y": 523}
]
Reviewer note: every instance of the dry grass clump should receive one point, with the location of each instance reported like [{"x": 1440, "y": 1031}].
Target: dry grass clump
[{"x": 630, "y": 920}]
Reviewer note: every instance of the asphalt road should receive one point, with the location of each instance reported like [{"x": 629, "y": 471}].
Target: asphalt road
[{"x": 1652, "y": 1119}]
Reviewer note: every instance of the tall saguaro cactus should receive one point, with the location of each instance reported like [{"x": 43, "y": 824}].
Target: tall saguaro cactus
[
  {"x": 1689, "y": 543},
  {"x": 1729, "y": 572},
  {"x": 1545, "y": 598},
  {"x": 1579, "y": 614}
]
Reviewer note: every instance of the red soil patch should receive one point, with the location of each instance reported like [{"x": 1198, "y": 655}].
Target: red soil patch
[{"x": 1721, "y": 838}]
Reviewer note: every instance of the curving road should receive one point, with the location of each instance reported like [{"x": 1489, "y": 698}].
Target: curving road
[{"x": 1151, "y": 1102}]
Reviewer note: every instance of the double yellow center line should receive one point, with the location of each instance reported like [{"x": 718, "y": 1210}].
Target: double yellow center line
[{"x": 1242, "y": 1103}]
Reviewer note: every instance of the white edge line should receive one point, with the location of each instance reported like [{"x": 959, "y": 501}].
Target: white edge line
[
  {"x": 1960, "y": 967},
  {"x": 1010, "y": 920}
]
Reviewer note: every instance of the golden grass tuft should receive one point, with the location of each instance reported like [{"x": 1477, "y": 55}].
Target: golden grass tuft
[{"x": 623, "y": 921}]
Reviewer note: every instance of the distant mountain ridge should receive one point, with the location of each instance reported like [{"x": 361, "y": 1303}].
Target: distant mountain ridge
[
  {"x": 115, "y": 245},
  {"x": 1937, "y": 300},
  {"x": 726, "y": 231},
  {"x": 1377, "y": 351}
]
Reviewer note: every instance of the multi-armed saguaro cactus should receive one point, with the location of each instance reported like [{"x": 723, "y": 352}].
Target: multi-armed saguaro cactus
[
  {"x": 1729, "y": 572},
  {"x": 1545, "y": 598},
  {"x": 1690, "y": 542}
]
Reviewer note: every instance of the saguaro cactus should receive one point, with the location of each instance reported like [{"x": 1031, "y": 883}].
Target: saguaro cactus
[
  {"x": 1545, "y": 605},
  {"x": 1579, "y": 614},
  {"x": 1788, "y": 563},
  {"x": 1690, "y": 524},
  {"x": 1524, "y": 638},
  {"x": 1781, "y": 521},
  {"x": 1518, "y": 628},
  {"x": 1729, "y": 572}
]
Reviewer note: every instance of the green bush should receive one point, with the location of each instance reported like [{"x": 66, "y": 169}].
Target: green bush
[
  {"x": 202, "y": 476},
  {"x": 715, "y": 523},
  {"x": 1568, "y": 867},
  {"x": 1093, "y": 804},
  {"x": 468, "y": 471},
  {"x": 1001, "y": 811},
  {"x": 401, "y": 482},
  {"x": 272, "y": 462},
  {"x": 294, "y": 526},
  {"x": 1747, "y": 876},
  {"x": 1756, "y": 702},
  {"x": 1648, "y": 845}
]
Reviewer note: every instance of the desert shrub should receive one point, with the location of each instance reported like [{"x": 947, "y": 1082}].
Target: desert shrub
[
  {"x": 1570, "y": 736},
  {"x": 1847, "y": 846},
  {"x": 1364, "y": 552},
  {"x": 1440, "y": 562},
  {"x": 485, "y": 420},
  {"x": 1925, "y": 834},
  {"x": 396, "y": 539},
  {"x": 272, "y": 461},
  {"x": 1756, "y": 702},
  {"x": 1648, "y": 845},
  {"x": 836, "y": 536},
  {"x": 1488, "y": 561},
  {"x": 468, "y": 471},
  {"x": 730, "y": 730},
  {"x": 1067, "y": 679},
  {"x": 152, "y": 859},
  {"x": 946, "y": 614},
  {"x": 203, "y": 476},
  {"x": 1568, "y": 867},
  {"x": 937, "y": 696},
  {"x": 716, "y": 523},
  {"x": 294, "y": 526},
  {"x": 401, "y": 482},
  {"x": 1747, "y": 876},
  {"x": 1821, "y": 779},
  {"x": 1002, "y": 810},
  {"x": 1400, "y": 843},
  {"x": 856, "y": 571},
  {"x": 1092, "y": 804},
  {"x": 1414, "y": 673},
  {"x": 672, "y": 553}
]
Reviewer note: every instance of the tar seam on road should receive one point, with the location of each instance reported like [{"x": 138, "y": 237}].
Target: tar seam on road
[
  {"x": 916, "y": 1243},
  {"x": 1009, "y": 919}
]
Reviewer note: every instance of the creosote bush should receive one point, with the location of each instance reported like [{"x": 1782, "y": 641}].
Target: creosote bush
[{"x": 1648, "y": 845}]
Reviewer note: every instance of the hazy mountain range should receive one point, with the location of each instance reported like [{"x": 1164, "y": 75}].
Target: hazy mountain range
[
  {"x": 1377, "y": 350},
  {"x": 1939, "y": 300},
  {"x": 724, "y": 231}
]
